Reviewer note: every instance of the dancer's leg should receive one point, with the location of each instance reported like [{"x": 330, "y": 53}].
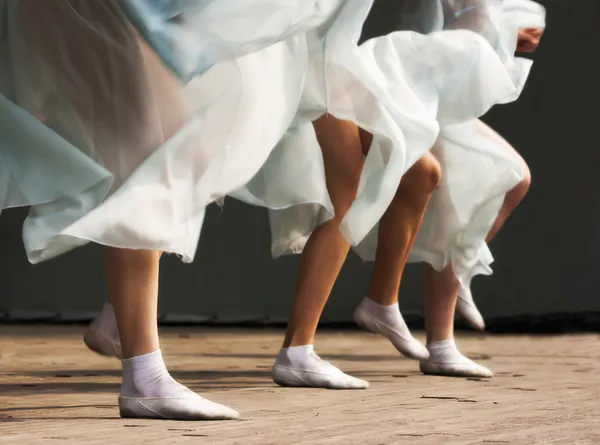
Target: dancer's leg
[
  {"x": 465, "y": 305},
  {"x": 102, "y": 335},
  {"x": 110, "y": 80},
  {"x": 321, "y": 262},
  {"x": 399, "y": 226},
  {"x": 514, "y": 197},
  {"x": 148, "y": 390},
  {"x": 398, "y": 229},
  {"x": 442, "y": 290},
  {"x": 132, "y": 278},
  {"x": 326, "y": 249},
  {"x": 511, "y": 201}
]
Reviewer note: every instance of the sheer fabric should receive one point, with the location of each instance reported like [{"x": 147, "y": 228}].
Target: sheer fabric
[
  {"x": 122, "y": 120},
  {"x": 109, "y": 139},
  {"x": 438, "y": 62}
]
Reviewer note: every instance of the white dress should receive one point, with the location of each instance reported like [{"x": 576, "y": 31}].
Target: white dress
[
  {"x": 445, "y": 76},
  {"x": 477, "y": 169},
  {"x": 120, "y": 121}
]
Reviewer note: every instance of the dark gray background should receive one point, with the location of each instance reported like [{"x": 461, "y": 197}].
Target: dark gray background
[{"x": 547, "y": 258}]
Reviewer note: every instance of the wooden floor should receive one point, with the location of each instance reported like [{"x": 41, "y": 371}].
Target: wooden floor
[{"x": 546, "y": 391}]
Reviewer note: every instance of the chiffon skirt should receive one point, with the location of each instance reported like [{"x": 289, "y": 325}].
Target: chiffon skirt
[
  {"x": 120, "y": 121},
  {"x": 395, "y": 86},
  {"x": 478, "y": 169}
]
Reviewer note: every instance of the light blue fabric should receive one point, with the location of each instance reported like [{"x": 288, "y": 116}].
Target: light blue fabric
[
  {"x": 132, "y": 153},
  {"x": 37, "y": 166},
  {"x": 108, "y": 146},
  {"x": 157, "y": 22},
  {"x": 191, "y": 36}
]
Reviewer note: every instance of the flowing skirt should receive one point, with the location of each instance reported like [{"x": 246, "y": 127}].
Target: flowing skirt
[
  {"x": 449, "y": 76},
  {"x": 477, "y": 172},
  {"x": 121, "y": 121}
]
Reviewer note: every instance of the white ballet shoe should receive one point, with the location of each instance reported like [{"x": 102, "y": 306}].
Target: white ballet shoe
[
  {"x": 466, "y": 308},
  {"x": 405, "y": 343},
  {"x": 458, "y": 369},
  {"x": 314, "y": 373},
  {"x": 174, "y": 408},
  {"x": 96, "y": 340},
  {"x": 447, "y": 360}
]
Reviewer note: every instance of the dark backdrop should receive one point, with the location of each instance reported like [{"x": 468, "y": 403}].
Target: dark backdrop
[{"x": 547, "y": 257}]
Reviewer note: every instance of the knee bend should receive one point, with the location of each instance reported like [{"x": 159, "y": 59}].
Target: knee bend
[
  {"x": 526, "y": 182},
  {"x": 426, "y": 173},
  {"x": 523, "y": 187},
  {"x": 516, "y": 195}
]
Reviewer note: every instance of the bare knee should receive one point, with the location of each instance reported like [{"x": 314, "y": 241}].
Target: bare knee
[
  {"x": 526, "y": 181},
  {"x": 516, "y": 195},
  {"x": 425, "y": 174},
  {"x": 343, "y": 160}
]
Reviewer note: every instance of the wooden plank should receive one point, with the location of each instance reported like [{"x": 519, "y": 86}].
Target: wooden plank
[{"x": 546, "y": 391}]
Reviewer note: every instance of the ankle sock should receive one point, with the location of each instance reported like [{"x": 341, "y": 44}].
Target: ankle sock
[{"x": 147, "y": 376}]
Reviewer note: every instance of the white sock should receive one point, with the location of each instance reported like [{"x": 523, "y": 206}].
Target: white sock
[
  {"x": 389, "y": 314},
  {"x": 387, "y": 320},
  {"x": 149, "y": 392},
  {"x": 295, "y": 356},
  {"x": 147, "y": 376},
  {"x": 446, "y": 359},
  {"x": 300, "y": 366},
  {"x": 445, "y": 351}
]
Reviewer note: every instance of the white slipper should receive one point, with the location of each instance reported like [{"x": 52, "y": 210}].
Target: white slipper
[
  {"x": 458, "y": 368},
  {"x": 174, "y": 408},
  {"x": 407, "y": 345},
  {"x": 99, "y": 342},
  {"x": 315, "y": 373},
  {"x": 466, "y": 308}
]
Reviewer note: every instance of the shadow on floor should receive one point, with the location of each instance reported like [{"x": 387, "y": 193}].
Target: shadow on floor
[{"x": 340, "y": 357}]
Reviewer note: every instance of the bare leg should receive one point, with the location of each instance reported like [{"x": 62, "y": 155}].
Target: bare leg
[
  {"x": 326, "y": 250},
  {"x": 102, "y": 335},
  {"x": 110, "y": 80},
  {"x": 132, "y": 277},
  {"x": 148, "y": 390},
  {"x": 512, "y": 199},
  {"x": 320, "y": 264},
  {"x": 399, "y": 226},
  {"x": 465, "y": 304},
  {"x": 442, "y": 294},
  {"x": 379, "y": 313}
]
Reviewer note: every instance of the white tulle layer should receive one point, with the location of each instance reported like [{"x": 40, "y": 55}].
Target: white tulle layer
[
  {"x": 478, "y": 169},
  {"x": 404, "y": 83},
  {"x": 109, "y": 146}
]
